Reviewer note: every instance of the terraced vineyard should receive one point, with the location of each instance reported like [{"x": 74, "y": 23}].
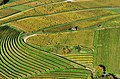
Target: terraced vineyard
[
  {"x": 67, "y": 39},
  {"x": 17, "y": 62},
  {"x": 59, "y": 39},
  {"x": 83, "y": 58}
]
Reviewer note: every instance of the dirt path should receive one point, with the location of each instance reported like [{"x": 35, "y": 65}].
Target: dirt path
[{"x": 26, "y": 37}]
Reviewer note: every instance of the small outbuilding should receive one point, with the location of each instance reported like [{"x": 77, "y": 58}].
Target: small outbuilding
[
  {"x": 74, "y": 28},
  {"x": 69, "y": 0}
]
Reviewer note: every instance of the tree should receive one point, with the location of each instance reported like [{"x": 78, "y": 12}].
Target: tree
[
  {"x": 100, "y": 73},
  {"x": 78, "y": 48}
]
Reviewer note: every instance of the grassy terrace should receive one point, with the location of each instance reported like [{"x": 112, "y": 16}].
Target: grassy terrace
[{"x": 19, "y": 62}]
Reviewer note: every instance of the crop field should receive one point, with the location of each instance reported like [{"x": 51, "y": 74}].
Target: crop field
[
  {"x": 33, "y": 4},
  {"x": 59, "y": 39},
  {"x": 107, "y": 49},
  {"x": 90, "y": 24},
  {"x": 84, "y": 38},
  {"x": 82, "y": 55},
  {"x": 7, "y": 12},
  {"x": 21, "y": 7},
  {"x": 28, "y": 24},
  {"x": 116, "y": 10},
  {"x": 112, "y": 23},
  {"x": 18, "y": 2},
  {"x": 14, "y": 57},
  {"x": 82, "y": 58}
]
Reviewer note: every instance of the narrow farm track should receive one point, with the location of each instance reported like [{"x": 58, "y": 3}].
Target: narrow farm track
[
  {"x": 20, "y": 60},
  {"x": 26, "y": 37}
]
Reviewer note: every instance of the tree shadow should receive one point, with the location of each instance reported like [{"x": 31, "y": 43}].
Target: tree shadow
[{"x": 4, "y": 2}]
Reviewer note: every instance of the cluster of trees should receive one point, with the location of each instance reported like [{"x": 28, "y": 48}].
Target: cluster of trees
[
  {"x": 3, "y": 2},
  {"x": 100, "y": 73}
]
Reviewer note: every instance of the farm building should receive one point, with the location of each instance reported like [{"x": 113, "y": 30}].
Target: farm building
[
  {"x": 69, "y": 0},
  {"x": 74, "y": 28}
]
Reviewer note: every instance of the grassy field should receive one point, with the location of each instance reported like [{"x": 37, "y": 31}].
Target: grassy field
[{"x": 107, "y": 49}]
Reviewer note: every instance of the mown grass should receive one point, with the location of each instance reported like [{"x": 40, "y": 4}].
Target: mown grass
[{"x": 107, "y": 49}]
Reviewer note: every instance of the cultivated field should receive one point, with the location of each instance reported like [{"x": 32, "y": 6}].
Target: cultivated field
[
  {"x": 59, "y": 39},
  {"x": 107, "y": 49},
  {"x": 36, "y": 23},
  {"x": 83, "y": 38},
  {"x": 17, "y": 62}
]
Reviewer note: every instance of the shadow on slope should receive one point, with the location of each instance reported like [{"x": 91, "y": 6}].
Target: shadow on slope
[{"x": 3, "y": 2}]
